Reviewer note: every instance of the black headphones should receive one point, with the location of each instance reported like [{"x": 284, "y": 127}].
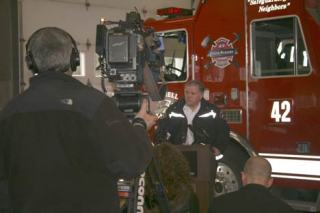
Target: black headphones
[{"x": 74, "y": 57}]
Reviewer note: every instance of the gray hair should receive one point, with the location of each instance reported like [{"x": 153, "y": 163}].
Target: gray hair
[
  {"x": 51, "y": 49},
  {"x": 195, "y": 83}
]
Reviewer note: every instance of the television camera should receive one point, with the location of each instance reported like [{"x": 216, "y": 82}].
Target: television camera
[{"x": 131, "y": 58}]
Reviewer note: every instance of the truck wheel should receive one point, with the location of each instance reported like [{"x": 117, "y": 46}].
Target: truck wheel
[{"x": 228, "y": 176}]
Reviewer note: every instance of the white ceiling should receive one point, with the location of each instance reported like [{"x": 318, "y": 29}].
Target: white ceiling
[{"x": 131, "y": 4}]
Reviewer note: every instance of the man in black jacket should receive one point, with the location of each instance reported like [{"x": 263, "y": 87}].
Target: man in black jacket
[
  {"x": 254, "y": 196},
  {"x": 64, "y": 145},
  {"x": 194, "y": 120}
]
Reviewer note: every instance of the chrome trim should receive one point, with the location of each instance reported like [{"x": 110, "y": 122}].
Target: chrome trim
[
  {"x": 244, "y": 143},
  {"x": 247, "y": 67},
  {"x": 289, "y": 156},
  {"x": 295, "y": 167},
  {"x": 296, "y": 177},
  {"x": 193, "y": 58}
]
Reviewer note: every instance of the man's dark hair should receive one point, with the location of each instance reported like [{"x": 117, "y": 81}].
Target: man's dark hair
[{"x": 196, "y": 83}]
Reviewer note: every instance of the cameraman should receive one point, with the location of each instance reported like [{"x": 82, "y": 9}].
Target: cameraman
[
  {"x": 64, "y": 145},
  {"x": 194, "y": 120}
]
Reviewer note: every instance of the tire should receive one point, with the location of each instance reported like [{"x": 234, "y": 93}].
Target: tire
[{"x": 228, "y": 176}]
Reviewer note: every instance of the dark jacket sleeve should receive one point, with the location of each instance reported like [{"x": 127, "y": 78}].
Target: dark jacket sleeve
[
  {"x": 162, "y": 127},
  {"x": 125, "y": 149},
  {"x": 223, "y": 131},
  {"x": 161, "y": 131}
]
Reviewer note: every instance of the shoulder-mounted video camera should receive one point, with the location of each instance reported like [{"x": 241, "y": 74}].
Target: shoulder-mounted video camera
[{"x": 129, "y": 56}]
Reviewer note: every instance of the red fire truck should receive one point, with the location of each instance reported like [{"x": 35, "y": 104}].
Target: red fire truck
[{"x": 260, "y": 63}]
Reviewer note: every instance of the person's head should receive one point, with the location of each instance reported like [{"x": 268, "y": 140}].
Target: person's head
[
  {"x": 193, "y": 93},
  {"x": 51, "y": 49},
  {"x": 257, "y": 170}
]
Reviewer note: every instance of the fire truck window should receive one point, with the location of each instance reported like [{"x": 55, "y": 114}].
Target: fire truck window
[
  {"x": 175, "y": 50},
  {"x": 303, "y": 58},
  {"x": 278, "y": 48}
]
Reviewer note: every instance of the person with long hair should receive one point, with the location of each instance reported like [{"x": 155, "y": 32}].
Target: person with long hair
[{"x": 175, "y": 174}]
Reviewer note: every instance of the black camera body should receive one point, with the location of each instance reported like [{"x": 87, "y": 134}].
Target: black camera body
[{"x": 124, "y": 52}]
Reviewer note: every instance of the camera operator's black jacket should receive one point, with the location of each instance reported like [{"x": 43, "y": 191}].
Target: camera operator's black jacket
[
  {"x": 64, "y": 145},
  {"x": 207, "y": 126}
]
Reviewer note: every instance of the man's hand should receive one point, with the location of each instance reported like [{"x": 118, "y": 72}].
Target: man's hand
[
  {"x": 215, "y": 151},
  {"x": 148, "y": 118}
]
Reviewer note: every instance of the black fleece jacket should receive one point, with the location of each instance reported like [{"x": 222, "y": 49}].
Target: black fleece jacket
[{"x": 64, "y": 145}]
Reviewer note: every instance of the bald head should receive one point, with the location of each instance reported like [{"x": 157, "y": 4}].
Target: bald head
[{"x": 257, "y": 170}]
